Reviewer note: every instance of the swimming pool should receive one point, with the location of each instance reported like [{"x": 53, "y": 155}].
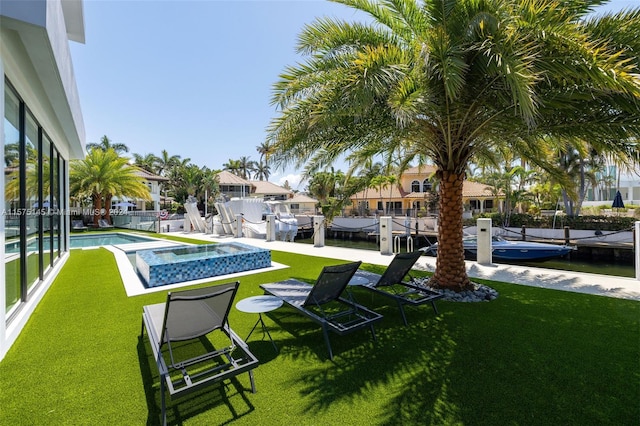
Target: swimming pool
[
  {"x": 81, "y": 241},
  {"x": 159, "y": 267},
  {"x": 106, "y": 239}
]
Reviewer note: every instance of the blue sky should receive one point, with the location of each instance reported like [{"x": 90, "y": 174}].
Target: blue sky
[{"x": 192, "y": 77}]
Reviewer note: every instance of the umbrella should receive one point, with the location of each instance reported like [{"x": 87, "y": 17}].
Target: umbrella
[{"x": 617, "y": 201}]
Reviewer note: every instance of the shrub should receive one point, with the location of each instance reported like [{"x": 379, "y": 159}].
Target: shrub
[{"x": 603, "y": 223}]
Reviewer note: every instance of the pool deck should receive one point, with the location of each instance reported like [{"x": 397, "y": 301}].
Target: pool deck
[{"x": 602, "y": 285}]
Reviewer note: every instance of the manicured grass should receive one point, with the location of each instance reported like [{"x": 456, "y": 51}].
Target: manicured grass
[{"x": 530, "y": 357}]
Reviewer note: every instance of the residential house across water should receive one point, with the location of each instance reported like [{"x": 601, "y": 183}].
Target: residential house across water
[{"x": 415, "y": 194}]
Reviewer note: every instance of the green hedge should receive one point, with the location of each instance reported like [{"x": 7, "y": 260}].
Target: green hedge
[{"x": 603, "y": 223}]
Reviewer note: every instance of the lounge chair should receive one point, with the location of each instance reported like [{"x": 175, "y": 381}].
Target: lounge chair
[
  {"x": 391, "y": 284},
  {"x": 102, "y": 223},
  {"x": 78, "y": 225},
  {"x": 188, "y": 316},
  {"x": 322, "y": 303}
]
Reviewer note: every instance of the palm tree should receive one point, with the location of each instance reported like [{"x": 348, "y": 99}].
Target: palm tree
[
  {"x": 509, "y": 184},
  {"x": 262, "y": 171},
  {"x": 246, "y": 167},
  {"x": 451, "y": 80},
  {"x": 11, "y": 154},
  {"x": 232, "y": 166},
  {"x": 380, "y": 182},
  {"x": 101, "y": 176},
  {"x": 264, "y": 149},
  {"x": 368, "y": 170},
  {"x": 147, "y": 162},
  {"x": 210, "y": 185},
  {"x": 105, "y": 144},
  {"x": 165, "y": 162},
  {"x": 322, "y": 186}
]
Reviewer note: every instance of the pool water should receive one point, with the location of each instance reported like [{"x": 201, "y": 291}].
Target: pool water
[
  {"x": 198, "y": 252},
  {"x": 107, "y": 239},
  {"x": 159, "y": 267},
  {"x": 80, "y": 241}
]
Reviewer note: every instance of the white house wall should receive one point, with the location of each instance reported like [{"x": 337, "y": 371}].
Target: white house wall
[
  {"x": 35, "y": 58},
  {"x": 38, "y": 63}
]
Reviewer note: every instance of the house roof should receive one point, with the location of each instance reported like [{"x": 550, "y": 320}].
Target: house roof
[
  {"x": 425, "y": 169},
  {"x": 265, "y": 187},
  {"x": 301, "y": 198},
  {"x": 228, "y": 178},
  {"x": 389, "y": 192},
  {"x": 476, "y": 190},
  {"x": 469, "y": 190},
  {"x": 148, "y": 175}
]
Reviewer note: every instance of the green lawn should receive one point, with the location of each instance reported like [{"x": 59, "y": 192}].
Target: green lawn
[{"x": 530, "y": 357}]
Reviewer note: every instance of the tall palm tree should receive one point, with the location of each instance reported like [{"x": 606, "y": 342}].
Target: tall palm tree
[
  {"x": 451, "y": 80},
  {"x": 11, "y": 154},
  {"x": 210, "y": 186},
  {"x": 165, "y": 162},
  {"x": 147, "y": 162},
  {"x": 322, "y": 186},
  {"x": 246, "y": 167},
  {"x": 262, "y": 171},
  {"x": 232, "y": 166},
  {"x": 105, "y": 144},
  {"x": 326, "y": 187},
  {"x": 264, "y": 149},
  {"x": 102, "y": 175}
]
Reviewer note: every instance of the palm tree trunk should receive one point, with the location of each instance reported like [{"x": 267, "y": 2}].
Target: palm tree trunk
[
  {"x": 97, "y": 206},
  {"x": 107, "y": 208},
  {"x": 450, "y": 271}
]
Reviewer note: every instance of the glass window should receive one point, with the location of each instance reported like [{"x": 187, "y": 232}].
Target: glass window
[
  {"x": 12, "y": 198},
  {"x": 34, "y": 181},
  {"x": 393, "y": 207},
  {"x": 415, "y": 186},
  {"x": 55, "y": 203},
  {"x": 33, "y": 204},
  {"x": 46, "y": 196},
  {"x": 64, "y": 204},
  {"x": 426, "y": 185}
]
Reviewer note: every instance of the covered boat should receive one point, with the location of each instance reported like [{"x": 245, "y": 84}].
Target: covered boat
[{"x": 507, "y": 250}]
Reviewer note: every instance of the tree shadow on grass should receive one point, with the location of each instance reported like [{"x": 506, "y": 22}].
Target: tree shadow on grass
[
  {"x": 418, "y": 354},
  {"x": 529, "y": 357},
  {"x": 229, "y": 392},
  {"x": 306, "y": 337}
]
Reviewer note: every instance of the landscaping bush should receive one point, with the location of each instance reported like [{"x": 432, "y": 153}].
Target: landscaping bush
[{"x": 601, "y": 222}]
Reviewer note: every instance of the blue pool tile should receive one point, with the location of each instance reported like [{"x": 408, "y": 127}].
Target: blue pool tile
[{"x": 159, "y": 267}]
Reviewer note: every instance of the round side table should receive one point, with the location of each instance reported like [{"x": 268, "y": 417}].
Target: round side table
[
  {"x": 260, "y": 305},
  {"x": 358, "y": 280}
]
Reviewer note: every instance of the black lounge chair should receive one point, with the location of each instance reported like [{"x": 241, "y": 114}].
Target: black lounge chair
[
  {"x": 103, "y": 224},
  {"x": 78, "y": 225},
  {"x": 188, "y": 316},
  {"x": 390, "y": 283},
  {"x": 322, "y": 303}
]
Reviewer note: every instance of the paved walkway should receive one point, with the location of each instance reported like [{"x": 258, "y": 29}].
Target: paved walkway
[{"x": 603, "y": 285}]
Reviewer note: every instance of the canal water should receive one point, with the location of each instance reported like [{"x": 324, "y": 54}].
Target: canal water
[{"x": 604, "y": 267}]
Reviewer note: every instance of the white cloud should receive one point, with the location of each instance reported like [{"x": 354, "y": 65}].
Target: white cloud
[{"x": 295, "y": 181}]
